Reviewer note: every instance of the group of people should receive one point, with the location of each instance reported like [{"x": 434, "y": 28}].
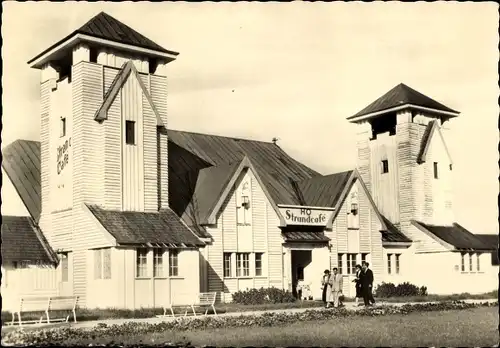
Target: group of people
[{"x": 332, "y": 284}]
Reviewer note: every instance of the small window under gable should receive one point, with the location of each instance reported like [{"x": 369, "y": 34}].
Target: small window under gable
[
  {"x": 130, "y": 132},
  {"x": 244, "y": 215},
  {"x": 62, "y": 131},
  {"x": 451, "y": 167},
  {"x": 385, "y": 166},
  {"x": 436, "y": 172}
]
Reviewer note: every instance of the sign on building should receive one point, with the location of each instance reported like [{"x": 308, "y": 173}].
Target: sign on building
[{"x": 306, "y": 216}]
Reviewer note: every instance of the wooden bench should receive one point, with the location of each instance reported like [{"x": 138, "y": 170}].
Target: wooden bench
[
  {"x": 203, "y": 299},
  {"x": 46, "y": 305}
]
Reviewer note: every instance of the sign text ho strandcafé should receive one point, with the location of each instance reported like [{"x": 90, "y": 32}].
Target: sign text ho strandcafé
[{"x": 305, "y": 216}]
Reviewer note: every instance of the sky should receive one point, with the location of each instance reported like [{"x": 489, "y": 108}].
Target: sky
[{"x": 295, "y": 71}]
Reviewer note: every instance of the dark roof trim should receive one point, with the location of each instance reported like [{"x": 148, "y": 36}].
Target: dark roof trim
[
  {"x": 355, "y": 176},
  {"x": 432, "y": 127},
  {"x": 45, "y": 244},
  {"x": 245, "y": 164},
  {"x": 83, "y": 30},
  {"x": 120, "y": 79}
]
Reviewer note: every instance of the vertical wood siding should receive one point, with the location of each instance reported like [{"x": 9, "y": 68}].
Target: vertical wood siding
[
  {"x": 259, "y": 216},
  {"x": 215, "y": 260},
  {"x": 158, "y": 89},
  {"x": 385, "y": 186},
  {"x": 150, "y": 154},
  {"x": 88, "y": 175},
  {"x": 45, "y": 134},
  {"x": 133, "y": 164},
  {"x": 274, "y": 248},
  {"x": 229, "y": 228},
  {"x": 112, "y": 148}
]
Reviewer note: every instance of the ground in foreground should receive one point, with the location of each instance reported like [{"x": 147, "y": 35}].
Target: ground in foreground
[{"x": 474, "y": 327}]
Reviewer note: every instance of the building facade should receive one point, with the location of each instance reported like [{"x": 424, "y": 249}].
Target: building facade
[{"x": 115, "y": 200}]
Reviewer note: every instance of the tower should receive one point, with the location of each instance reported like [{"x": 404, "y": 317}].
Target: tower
[
  {"x": 404, "y": 159},
  {"x": 103, "y": 136}
]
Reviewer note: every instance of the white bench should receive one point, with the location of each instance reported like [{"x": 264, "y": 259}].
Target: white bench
[
  {"x": 46, "y": 305},
  {"x": 203, "y": 299}
]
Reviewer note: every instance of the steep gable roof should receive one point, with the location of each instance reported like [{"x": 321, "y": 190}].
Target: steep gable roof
[
  {"x": 402, "y": 95},
  {"x": 323, "y": 190},
  {"x": 430, "y": 130},
  {"x": 22, "y": 241},
  {"x": 21, "y": 162},
  {"x": 127, "y": 70}
]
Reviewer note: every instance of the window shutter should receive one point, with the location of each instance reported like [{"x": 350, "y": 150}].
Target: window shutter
[{"x": 106, "y": 264}]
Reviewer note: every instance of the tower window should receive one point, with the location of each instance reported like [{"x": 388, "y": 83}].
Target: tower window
[
  {"x": 130, "y": 132},
  {"x": 63, "y": 127},
  {"x": 93, "y": 55},
  {"x": 451, "y": 167},
  {"x": 436, "y": 173},
  {"x": 385, "y": 166}
]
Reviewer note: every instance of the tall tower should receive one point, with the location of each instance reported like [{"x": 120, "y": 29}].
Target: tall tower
[
  {"x": 404, "y": 159},
  {"x": 103, "y": 136}
]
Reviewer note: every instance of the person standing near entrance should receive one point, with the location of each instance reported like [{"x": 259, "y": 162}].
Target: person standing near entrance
[
  {"x": 327, "y": 289},
  {"x": 336, "y": 282},
  {"x": 367, "y": 284},
  {"x": 357, "y": 282}
]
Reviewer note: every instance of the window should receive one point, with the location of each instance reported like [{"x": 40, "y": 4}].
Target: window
[
  {"x": 462, "y": 262},
  {"x": 142, "y": 263},
  {"x": 478, "y": 265},
  {"x": 244, "y": 214},
  {"x": 389, "y": 265},
  {"x": 242, "y": 264},
  {"x": 354, "y": 208},
  {"x": 436, "y": 174},
  {"x": 158, "y": 262},
  {"x": 470, "y": 263},
  {"x": 173, "y": 263},
  {"x": 258, "y": 264},
  {"x": 351, "y": 263},
  {"x": 451, "y": 167},
  {"x": 130, "y": 132},
  {"x": 227, "y": 265},
  {"x": 397, "y": 262},
  {"x": 102, "y": 263},
  {"x": 340, "y": 264},
  {"x": 62, "y": 127},
  {"x": 64, "y": 267},
  {"x": 93, "y": 55},
  {"x": 385, "y": 166}
]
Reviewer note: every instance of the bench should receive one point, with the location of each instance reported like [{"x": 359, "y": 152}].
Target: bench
[
  {"x": 47, "y": 305},
  {"x": 203, "y": 299}
]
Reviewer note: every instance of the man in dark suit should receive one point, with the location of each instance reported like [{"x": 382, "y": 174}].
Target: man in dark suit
[{"x": 366, "y": 279}]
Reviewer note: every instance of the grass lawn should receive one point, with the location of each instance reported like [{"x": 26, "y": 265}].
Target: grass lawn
[
  {"x": 110, "y": 313},
  {"x": 474, "y": 327}
]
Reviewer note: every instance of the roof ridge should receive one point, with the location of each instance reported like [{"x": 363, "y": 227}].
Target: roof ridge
[{"x": 221, "y": 136}]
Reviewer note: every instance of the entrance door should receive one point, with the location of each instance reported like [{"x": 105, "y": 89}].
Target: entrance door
[{"x": 301, "y": 259}]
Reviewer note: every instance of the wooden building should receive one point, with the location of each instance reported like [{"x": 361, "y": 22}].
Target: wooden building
[{"x": 114, "y": 199}]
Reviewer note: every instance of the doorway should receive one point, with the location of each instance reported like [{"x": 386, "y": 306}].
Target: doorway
[{"x": 300, "y": 260}]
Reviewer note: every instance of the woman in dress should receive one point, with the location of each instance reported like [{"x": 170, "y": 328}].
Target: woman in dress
[
  {"x": 357, "y": 281},
  {"x": 325, "y": 283}
]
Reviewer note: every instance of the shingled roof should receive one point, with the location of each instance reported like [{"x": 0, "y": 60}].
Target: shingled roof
[
  {"x": 402, "y": 95},
  {"x": 22, "y": 241},
  {"x": 162, "y": 228},
  {"x": 457, "y": 236},
  {"x": 104, "y": 26},
  {"x": 323, "y": 190},
  {"x": 21, "y": 162}
]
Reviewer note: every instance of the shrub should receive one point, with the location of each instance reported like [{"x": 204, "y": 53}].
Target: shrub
[
  {"x": 262, "y": 296},
  {"x": 405, "y": 289}
]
